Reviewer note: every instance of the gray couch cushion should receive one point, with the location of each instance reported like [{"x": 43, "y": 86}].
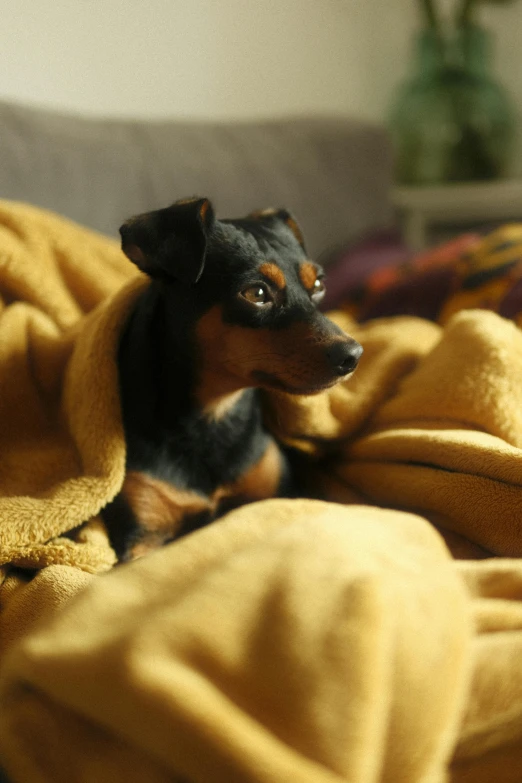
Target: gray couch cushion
[{"x": 333, "y": 173}]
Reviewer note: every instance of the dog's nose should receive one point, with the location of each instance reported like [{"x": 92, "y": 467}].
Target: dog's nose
[{"x": 344, "y": 356}]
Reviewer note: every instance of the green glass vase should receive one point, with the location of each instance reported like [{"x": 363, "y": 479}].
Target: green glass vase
[{"x": 452, "y": 121}]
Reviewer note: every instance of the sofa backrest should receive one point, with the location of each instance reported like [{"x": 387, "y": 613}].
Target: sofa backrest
[{"x": 332, "y": 173}]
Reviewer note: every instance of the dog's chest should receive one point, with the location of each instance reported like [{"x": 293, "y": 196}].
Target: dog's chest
[
  {"x": 183, "y": 473},
  {"x": 163, "y": 511}
]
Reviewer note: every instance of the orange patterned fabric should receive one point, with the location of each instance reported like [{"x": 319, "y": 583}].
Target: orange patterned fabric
[{"x": 469, "y": 272}]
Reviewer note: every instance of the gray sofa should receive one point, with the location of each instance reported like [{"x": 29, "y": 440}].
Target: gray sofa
[{"x": 333, "y": 173}]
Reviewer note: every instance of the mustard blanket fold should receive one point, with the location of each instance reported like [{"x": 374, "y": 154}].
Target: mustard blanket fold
[
  {"x": 431, "y": 423},
  {"x": 61, "y": 443},
  {"x": 285, "y": 644},
  {"x": 292, "y": 640}
]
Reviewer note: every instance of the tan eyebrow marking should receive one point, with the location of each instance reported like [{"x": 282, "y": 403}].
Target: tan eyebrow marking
[
  {"x": 274, "y": 274},
  {"x": 308, "y": 274}
]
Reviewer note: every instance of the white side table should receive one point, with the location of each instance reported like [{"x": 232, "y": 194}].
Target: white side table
[{"x": 421, "y": 207}]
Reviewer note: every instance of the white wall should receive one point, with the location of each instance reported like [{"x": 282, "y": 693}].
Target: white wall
[
  {"x": 222, "y": 58},
  {"x": 184, "y": 57}
]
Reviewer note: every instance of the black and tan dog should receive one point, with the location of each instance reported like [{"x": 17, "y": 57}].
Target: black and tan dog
[{"x": 231, "y": 308}]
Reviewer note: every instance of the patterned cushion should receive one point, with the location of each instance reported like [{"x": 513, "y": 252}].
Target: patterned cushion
[{"x": 468, "y": 272}]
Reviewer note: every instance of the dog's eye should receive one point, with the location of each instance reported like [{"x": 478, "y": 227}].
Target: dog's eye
[
  {"x": 318, "y": 290},
  {"x": 257, "y": 295}
]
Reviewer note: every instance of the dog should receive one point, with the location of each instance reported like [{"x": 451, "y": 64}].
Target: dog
[{"x": 231, "y": 309}]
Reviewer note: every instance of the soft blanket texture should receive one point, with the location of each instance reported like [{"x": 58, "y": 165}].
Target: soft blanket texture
[{"x": 293, "y": 640}]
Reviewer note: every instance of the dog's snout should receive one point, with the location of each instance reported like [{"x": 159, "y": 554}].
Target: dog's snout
[{"x": 344, "y": 356}]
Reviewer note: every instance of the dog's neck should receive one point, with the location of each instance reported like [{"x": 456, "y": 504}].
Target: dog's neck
[{"x": 166, "y": 409}]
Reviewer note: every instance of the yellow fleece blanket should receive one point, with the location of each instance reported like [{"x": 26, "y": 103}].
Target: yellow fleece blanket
[{"x": 293, "y": 640}]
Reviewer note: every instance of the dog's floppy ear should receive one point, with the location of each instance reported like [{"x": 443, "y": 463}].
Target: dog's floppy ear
[
  {"x": 170, "y": 242},
  {"x": 285, "y": 217}
]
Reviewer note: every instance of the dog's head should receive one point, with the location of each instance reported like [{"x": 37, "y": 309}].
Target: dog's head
[{"x": 251, "y": 291}]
